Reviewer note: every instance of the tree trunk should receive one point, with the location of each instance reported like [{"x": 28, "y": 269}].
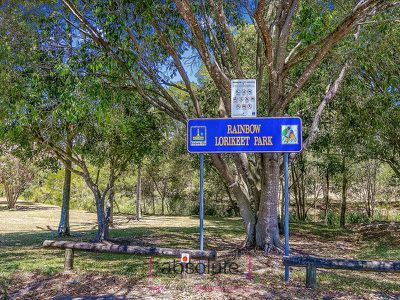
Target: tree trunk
[
  {"x": 267, "y": 231},
  {"x": 282, "y": 210},
  {"x": 303, "y": 209},
  {"x": 234, "y": 206},
  {"x": 242, "y": 197},
  {"x": 326, "y": 196},
  {"x": 102, "y": 230},
  {"x": 371, "y": 188},
  {"x": 63, "y": 227},
  {"x": 11, "y": 195},
  {"x": 344, "y": 194},
  {"x": 138, "y": 192},
  {"x": 110, "y": 207},
  {"x": 247, "y": 214},
  {"x": 296, "y": 190},
  {"x": 153, "y": 203}
]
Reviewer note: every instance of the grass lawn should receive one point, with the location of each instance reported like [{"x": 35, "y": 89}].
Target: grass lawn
[{"x": 27, "y": 271}]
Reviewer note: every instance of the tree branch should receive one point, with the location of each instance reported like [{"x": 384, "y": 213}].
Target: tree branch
[
  {"x": 332, "y": 91},
  {"x": 219, "y": 14},
  {"x": 220, "y": 79},
  {"x": 327, "y": 43},
  {"x": 178, "y": 64}
]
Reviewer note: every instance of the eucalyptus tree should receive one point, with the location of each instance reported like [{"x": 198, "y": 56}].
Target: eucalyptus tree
[
  {"x": 151, "y": 42},
  {"x": 24, "y": 50},
  {"x": 48, "y": 101}
]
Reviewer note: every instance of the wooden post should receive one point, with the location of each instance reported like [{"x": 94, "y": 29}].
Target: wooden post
[
  {"x": 311, "y": 277},
  {"x": 184, "y": 270},
  {"x": 69, "y": 260}
]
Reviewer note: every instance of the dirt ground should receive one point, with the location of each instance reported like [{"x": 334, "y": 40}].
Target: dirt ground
[{"x": 258, "y": 276}]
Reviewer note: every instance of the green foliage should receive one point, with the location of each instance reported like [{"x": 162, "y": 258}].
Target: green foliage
[{"x": 356, "y": 217}]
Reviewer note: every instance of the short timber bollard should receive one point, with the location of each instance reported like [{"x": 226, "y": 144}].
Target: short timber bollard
[
  {"x": 69, "y": 260},
  {"x": 311, "y": 277}
]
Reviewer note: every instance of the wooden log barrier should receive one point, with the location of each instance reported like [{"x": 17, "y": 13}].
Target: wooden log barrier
[
  {"x": 312, "y": 263},
  {"x": 70, "y": 246}
]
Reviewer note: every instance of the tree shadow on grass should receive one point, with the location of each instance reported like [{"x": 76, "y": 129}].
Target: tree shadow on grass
[
  {"x": 318, "y": 229},
  {"x": 26, "y": 206},
  {"x": 24, "y": 251},
  {"x": 362, "y": 283}
]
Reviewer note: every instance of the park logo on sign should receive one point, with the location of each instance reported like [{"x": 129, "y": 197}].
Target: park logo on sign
[
  {"x": 290, "y": 134},
  {"x": 198, "y": 136}
]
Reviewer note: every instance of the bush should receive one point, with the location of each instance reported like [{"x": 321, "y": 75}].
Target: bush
[
  {"x": 177, "y": 204},
  {"x": 356, "y": 217},
  {"x": 333, "y": 219}
]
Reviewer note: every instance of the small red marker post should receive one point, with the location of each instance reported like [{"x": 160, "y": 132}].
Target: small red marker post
[{"x": 249, "y": 269}]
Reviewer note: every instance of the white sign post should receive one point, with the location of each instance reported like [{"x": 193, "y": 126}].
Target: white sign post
[
  {"x": 243, "y": 98},
  {"x": 185, "y": 259}
]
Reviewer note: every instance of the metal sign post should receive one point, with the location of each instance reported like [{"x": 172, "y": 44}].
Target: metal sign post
[
  {"x": 245, "y": 135},
  {"x": 201, "y": 209},
  {"x": 286, "y": 196}
]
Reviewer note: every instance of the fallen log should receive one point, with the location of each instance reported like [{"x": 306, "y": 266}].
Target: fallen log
[{"x": 129, "y": 249}]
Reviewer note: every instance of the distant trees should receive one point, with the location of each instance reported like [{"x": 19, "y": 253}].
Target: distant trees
[{"x": 15, "y": 176}]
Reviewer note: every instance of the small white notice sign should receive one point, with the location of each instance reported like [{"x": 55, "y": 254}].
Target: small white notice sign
[
  {"x": 243, "y": 98},
  {"x": 185, "y": 258}
]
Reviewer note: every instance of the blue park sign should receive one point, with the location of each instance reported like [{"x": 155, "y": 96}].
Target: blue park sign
[{"x": 244, "y": 135}]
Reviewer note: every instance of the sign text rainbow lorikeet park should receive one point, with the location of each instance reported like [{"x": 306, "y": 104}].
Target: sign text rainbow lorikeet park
[{"x": 244, "y": 135}]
